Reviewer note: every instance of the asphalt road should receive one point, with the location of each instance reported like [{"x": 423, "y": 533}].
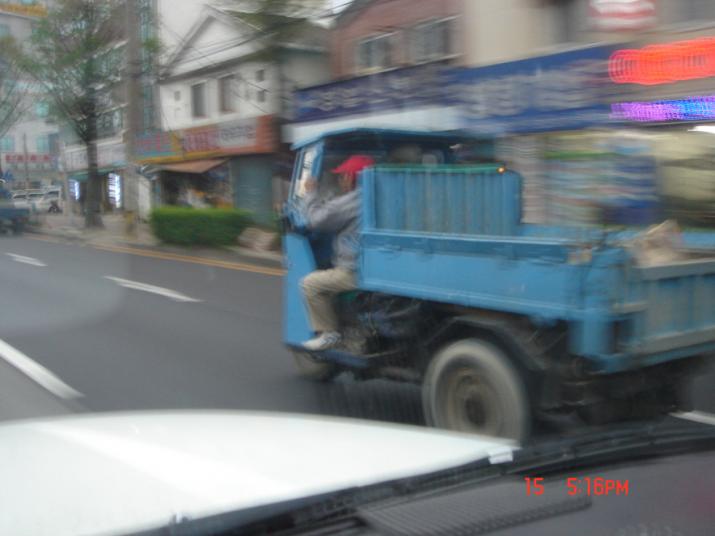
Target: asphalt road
[
  {"x": 129, "y": 349},
  {"x": 106, "y": 339}
]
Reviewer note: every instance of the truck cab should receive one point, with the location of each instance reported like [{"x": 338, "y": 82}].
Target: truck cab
[
  {"x": 308, "y": 251},
  {"x": 502, "y": 324}
]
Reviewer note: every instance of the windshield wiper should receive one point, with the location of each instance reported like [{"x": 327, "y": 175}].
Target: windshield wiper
[
  {"x": 616, "y": 444},
  {"x": 634, "y": 440},
  {"x": 331, "y": 506}
]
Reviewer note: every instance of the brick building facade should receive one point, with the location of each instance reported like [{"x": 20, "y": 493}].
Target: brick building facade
[{"x": 372, "y": 36}]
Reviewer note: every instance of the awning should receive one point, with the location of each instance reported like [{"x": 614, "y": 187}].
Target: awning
[
  {"x": 81, "y": 176},
  {"x": 195, "y": 166}
]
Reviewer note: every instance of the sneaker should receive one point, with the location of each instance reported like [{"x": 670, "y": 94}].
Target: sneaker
[{"x": 326, "y": 340}]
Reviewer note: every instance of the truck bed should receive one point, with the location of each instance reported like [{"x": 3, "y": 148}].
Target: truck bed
[{"x": 453, "y": 235}]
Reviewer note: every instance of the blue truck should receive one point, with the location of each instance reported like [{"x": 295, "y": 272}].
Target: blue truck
[
  {"x": 12, "y": 219},
  {"x": 502, "y": 324}
]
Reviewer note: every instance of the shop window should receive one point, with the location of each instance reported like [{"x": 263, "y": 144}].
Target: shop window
[
  {"x": 104, "y": 125},
  {"x": 42, "y": 109},
  {"x": 225, "y": 94},
  {"x": 198, "y": 100},
  {"x": 43, "y": 144},
  {"x": 117, "y": 120},
  {"x": 7, "y": 144},
  {"x": 54, "y": 142},
  {"x": 432, "y": 40},
  {"x": 374, "y": 53}
]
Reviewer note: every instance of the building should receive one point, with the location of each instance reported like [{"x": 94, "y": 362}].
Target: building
[
  {"x": 535, "y": 81},
  {"x": 29, "y": 148},
  {"x": 224, "y": 93}
]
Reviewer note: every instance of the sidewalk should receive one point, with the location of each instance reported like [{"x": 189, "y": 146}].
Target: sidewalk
[{"x": 70, "y": 227}]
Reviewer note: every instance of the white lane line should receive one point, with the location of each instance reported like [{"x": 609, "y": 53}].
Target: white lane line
[
  {"x": 697, "y": 416},
  {"x": 37, "y": 372},
  {"x": 26, "y": 260},
  {"x": 166, "y": 292}
]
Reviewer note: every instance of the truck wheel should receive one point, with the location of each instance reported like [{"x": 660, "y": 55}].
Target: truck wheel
[
  {"x": 312, "y": 369},
  {"x": 470, "y": 386}
]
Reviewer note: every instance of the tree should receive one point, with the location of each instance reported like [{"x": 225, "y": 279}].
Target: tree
[
  {"x": 73, "y": 56},
  {"x": 15, "y": 92}
]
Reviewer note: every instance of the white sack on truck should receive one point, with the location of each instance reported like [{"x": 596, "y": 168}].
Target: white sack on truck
[{"x": 657, "y": 245}]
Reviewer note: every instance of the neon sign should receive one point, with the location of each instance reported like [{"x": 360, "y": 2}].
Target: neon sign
[
  {"x": 664, "y": 64},
  {"x": 690, "y": 109}
]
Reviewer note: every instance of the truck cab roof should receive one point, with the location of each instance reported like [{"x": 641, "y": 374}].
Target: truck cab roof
[{"x": 362, "y": 134}]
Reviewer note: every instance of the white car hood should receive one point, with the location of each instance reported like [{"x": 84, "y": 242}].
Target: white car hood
[{"x": 113, "y": 474}]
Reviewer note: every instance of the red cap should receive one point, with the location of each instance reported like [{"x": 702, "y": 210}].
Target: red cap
[{"x": 354, "y": 165}]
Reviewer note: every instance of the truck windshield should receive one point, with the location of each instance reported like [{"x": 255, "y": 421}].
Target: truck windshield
[{"x": 306, "y": 170}]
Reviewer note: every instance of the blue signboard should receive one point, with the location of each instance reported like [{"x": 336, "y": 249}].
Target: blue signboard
[
  {"x": 567, "y": 90},
  {"x": 390, "y": 90}
]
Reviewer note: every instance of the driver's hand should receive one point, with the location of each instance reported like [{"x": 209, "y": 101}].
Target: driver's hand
[{"x": 311, "y": 185}]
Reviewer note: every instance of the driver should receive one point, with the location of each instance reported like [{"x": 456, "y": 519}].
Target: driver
[{"x": 339, "y": 216}]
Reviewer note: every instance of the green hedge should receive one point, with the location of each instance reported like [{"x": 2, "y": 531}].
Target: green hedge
[{"x": 206, "y": 226}]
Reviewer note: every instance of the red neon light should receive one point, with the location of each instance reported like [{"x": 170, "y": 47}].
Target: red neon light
[{"x": 663, "y": 64}]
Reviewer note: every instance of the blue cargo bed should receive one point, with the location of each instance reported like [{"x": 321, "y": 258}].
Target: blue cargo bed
[{"x": 452, "y": 234}]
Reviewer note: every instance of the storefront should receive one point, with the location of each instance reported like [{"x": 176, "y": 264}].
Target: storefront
[
  {"x": 30, "y": 170},
  {"x": 551, "y": 117},
  {"x": 540, "y": 115},
  {"x": 613, "y": 134},
  {"x": 219, "y": 165},
  {"x": 111, "y": 161},
  {"x": 672, "y": 108}
]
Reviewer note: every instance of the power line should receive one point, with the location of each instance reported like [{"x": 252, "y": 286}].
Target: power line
[
  {"x": 261, "y": 33},
  {"x": 214, "y": 65}
]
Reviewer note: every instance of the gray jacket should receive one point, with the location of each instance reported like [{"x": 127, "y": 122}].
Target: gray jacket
[{"x": 341, "y": 216}]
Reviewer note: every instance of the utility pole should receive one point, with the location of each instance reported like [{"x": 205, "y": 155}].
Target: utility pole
[
  {"x": 133, "y": 107},
  {"x": 24, "y": 157}
]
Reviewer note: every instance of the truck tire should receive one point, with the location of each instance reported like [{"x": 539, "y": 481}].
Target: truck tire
[
  {"x": 312, "y": 369},
  {"x": 470, "y": 386}
]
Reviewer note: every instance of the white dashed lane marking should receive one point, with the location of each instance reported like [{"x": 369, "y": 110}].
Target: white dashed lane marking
[
  {"x": 37, "y": 372},
  {"x": 161, "y": 291},
  {"x": 26, "y": 260}
]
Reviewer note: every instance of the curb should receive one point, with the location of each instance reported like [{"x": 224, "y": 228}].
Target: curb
[{"x": 76, "y": 236}]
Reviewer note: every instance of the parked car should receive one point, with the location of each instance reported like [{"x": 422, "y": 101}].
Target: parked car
[
  {"x": 19, "y": 199},
  {"x": 33, "y": 198}
]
